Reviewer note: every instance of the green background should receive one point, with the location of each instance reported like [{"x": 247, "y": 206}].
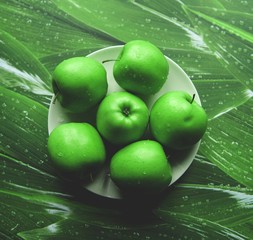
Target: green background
[{"x": 210, "y": 40}]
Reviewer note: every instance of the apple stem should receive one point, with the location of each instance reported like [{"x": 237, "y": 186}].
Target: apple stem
[
  {"x": 55, "y": 97},
  {"x": 109, "y": 60},
  {"x": 193, "y": 97},
  {"x": 91, "y": 177},
  {"x": 126, "y": 111}
]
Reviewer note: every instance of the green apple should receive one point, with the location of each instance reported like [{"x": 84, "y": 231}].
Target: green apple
[
  {"x": 141, "y": 68},
  {"x": 122, "y": 118},
  {"x": 76, "y": 147},
  {"x": 177, "y": 121},
  {"x": 141, "y": 167},
  {"x": 79, "y": 83}
]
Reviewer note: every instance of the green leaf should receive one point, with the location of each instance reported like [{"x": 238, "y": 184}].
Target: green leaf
[
  {"x": 24, "y": 134},
  {"x": 140, "y": 23},
  {"x": 216, "y": 4},
  {"x": 46, "y": 30},
  {"x": 225, "y": 95},
  {"x": 233, "y": 25},
  {"x": 19, "y": 213},
  {"x": 238, "y": 6},
  {"x": 232, "y": 45},
  {"x": 208, "y": 210},
  {"x": 228, "y": 141},
  {"x": 207, "y": 196},
  {"x": 186, "y": 211},
  {"x": 21, "y": 71}
]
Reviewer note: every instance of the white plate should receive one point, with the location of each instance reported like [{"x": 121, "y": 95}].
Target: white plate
[{"x": 101, "y": 184}]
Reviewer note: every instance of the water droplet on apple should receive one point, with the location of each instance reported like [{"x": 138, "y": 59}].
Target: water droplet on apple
[{"x": 60, "y": 154}]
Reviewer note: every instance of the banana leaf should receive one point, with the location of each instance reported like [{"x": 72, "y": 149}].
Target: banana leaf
[{"x": 210, "y": 40}]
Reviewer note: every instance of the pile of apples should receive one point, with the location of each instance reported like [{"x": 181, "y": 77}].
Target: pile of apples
[{"x": 140, "y": 164}]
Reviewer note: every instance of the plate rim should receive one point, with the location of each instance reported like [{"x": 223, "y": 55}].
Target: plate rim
[{"x": 197, "y": 99}]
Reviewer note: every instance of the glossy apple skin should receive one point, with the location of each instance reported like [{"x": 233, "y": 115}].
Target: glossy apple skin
[
  {"x": 176, "y": 122},
  {"x": 76, "y": 147},
  {"x": 122, "y": 118},
  {"x": 141, "y": 167},
  {"x": 79, "y": 83},
  {"x": 141, "y": 68}
]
